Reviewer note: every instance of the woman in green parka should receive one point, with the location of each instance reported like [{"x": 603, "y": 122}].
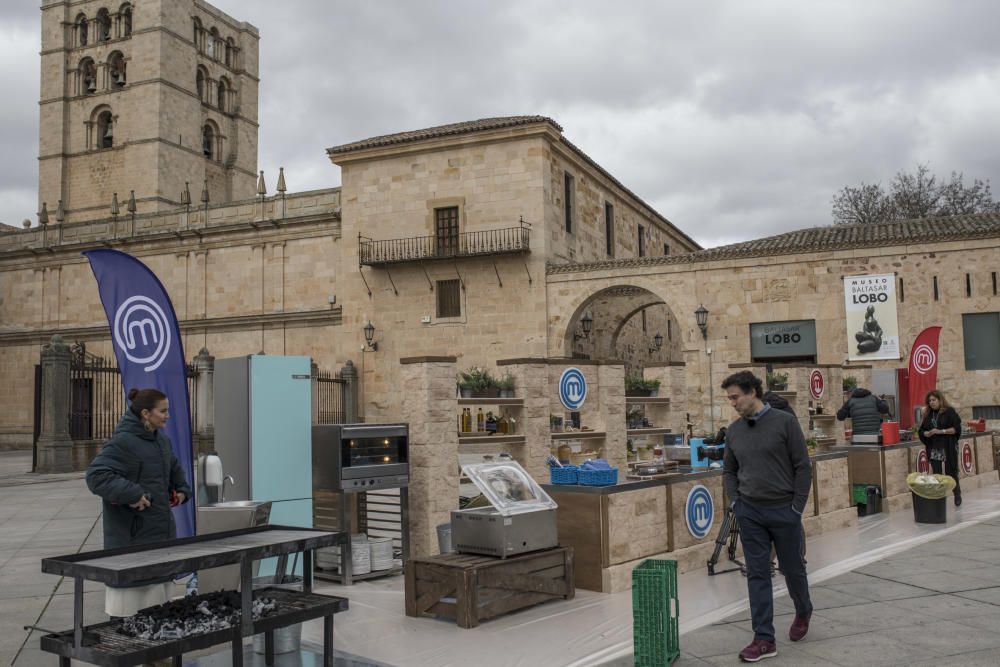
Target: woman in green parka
[{"x": 139, "y": 479}]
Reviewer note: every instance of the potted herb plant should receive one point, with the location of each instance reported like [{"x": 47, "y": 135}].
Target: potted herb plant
[
  {"x": 636, "y": 386},
  {"x": 477, "y": 382},
  {"x": 850, "y": 383},
  {"x": 506, "y": 386},
  {"x": 777, "y": 381}
]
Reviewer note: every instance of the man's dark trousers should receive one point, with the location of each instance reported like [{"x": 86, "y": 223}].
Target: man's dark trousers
[{"x": 759, "y": 527}]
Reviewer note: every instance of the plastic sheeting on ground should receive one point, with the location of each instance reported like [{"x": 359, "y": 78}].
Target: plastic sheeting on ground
[{"x": 594, "y": 628}]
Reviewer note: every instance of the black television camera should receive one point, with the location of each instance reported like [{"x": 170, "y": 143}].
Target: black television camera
[{"x": 714, "y": 449}]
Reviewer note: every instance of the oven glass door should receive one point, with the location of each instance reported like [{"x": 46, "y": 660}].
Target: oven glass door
[{"x": 373, "y": 451}]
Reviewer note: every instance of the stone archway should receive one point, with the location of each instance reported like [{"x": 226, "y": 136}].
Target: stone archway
[
  {"x": 572, "y": 293},
  {"x": 625, "y": 321}
]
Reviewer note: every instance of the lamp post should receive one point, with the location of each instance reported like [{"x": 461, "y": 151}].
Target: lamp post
[
  {"x": 369, "y": 330},
  {"x": 701, "y": 317}
]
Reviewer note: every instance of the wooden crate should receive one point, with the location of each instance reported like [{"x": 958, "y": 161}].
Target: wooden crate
[{"x": 471, "y": 588}]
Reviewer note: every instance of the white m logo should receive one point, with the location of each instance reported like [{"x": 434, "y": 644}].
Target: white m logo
[{"x": 140, "y": 331}]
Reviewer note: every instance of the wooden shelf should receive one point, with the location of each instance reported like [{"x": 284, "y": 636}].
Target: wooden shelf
[
  {"x": 579, "y": 435},
  {"x": 647, "y": 431},
  {"x": 785, "y": 394},
  {"x": 513, "y": 402},
  {"x": 824, "y": 417},
  {"x": 478, "y": 439},
  {"x": 647, "y": 400}
]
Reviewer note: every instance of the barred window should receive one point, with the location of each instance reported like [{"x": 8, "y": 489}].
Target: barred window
[{"x": 449, "y": 298}]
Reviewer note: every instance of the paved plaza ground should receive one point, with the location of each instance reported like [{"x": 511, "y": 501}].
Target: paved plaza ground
[{"x": 935, "y": 602}]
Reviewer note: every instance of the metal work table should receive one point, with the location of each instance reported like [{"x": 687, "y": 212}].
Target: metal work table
[{"x": 100, "y": 644}]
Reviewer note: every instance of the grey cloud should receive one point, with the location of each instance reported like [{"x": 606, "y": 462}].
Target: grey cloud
[{"x": 733, "y": 119}]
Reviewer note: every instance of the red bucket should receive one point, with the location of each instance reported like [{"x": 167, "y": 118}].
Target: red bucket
[{"x": 890, "y": 433}]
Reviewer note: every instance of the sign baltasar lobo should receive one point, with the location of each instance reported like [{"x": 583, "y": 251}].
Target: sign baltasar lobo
[
  {"x": 791, "y": 339},
  {"x": 870, "y": 316},
  {"x": 147, "y": 344}
]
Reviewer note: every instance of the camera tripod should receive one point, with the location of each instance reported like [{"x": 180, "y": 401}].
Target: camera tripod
[{"x": 729, "y": 532}]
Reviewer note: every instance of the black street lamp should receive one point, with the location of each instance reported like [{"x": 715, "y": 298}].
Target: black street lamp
[
  {"x": 658, "y": 341},
  {"x": 369, "y": 330},
  {"x": 701, "y": 315}
]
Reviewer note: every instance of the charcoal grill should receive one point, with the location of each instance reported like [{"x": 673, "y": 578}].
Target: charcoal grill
[{"x": 129, "y": 565}]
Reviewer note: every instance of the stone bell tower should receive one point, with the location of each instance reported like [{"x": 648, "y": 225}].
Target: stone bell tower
[{"x": 143, "y": 95}]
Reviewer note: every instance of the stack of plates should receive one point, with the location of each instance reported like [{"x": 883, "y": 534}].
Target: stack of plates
[
  {"x": 381, "y": 550},
  {"x": 361, "y": 561},
  {"x": 328, "y": 558}
]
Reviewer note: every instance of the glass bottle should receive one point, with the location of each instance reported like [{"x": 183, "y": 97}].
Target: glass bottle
[
  {"x": 480, "y": 421},
  {"x": 502, "y": 424},
  {"x": 491, "y": 423},
  {"x": 466, "y": 420}
]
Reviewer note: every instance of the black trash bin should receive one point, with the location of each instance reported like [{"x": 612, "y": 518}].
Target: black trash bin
[
  {"x": 873, "y": 500},
  {"x": 929, "y": 511}
]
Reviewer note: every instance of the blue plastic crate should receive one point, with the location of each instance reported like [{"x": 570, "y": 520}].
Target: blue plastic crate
[
  {"x": 564, "y": 475},
  {"x": 597, "y": 477}
]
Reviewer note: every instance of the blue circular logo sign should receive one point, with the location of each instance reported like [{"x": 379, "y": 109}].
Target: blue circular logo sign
[
  {"x": 572, "y": 388},
  {"x": 699, "y": 512}
]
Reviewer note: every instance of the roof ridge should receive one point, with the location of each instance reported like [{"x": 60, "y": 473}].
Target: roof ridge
[{"x": 449, "y": 129}]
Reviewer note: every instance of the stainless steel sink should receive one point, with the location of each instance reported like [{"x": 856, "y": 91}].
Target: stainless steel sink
[
  {"x": 237, "y": 503},
  {"x": 229, "y": 515}
]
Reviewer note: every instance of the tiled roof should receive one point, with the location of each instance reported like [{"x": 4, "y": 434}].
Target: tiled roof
[
  {"x": 467, "y": 127},
  {"x": 821, "y": 239}
]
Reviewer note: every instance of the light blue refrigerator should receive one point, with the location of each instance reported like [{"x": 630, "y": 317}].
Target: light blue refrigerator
[{"x": 263, "y": 434}]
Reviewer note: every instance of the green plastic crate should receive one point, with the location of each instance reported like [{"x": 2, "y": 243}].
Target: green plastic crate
[
  {"x": 655, "y": 613},
  {"x": 859, "y": 493}
]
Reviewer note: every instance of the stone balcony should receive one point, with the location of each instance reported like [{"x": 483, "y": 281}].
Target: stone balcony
[{"x": 490, "y": 242}]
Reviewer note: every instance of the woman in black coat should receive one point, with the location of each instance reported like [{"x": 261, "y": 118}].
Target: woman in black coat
[
  {"x": 939, "y": 432},
  {"x": 140, "y": 480}
]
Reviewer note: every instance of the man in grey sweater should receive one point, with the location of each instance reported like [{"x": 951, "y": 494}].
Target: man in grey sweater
[{"x": 767, "y": 477}]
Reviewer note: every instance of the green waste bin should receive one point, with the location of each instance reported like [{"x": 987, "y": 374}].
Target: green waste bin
[{"x": 655, "y": 613}]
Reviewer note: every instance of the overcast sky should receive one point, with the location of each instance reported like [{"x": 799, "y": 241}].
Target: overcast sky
[{"x": 733, "y": 119}]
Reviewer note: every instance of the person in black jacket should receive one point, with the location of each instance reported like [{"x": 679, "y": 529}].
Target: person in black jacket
[
  {"x": 865, "y": 410},
  {"x": 939, "y": 431},
  {"x": 139, "y": 479}
]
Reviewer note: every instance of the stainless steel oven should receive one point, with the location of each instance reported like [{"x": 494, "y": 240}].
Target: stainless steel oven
[{"x": 360, "y": 457}]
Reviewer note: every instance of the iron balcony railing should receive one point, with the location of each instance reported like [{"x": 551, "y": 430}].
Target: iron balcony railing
[{"x": 446, "y": 246}]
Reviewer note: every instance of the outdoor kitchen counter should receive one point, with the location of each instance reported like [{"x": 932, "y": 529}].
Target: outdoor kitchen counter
[
  {"x": 100, "y": 644},
  {"x": 614, "y": 528}
]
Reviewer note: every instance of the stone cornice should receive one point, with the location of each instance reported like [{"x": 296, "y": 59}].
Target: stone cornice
[
  {"x": 309, "y": 318},
  {"x": 558, "y": 361},
  {"x": 191, "y": 238},
  {"x": 447, "y": 142}
]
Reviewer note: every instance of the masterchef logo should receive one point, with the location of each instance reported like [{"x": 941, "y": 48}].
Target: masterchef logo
[
  {"x": 817, "y": 384},
  {"x": 924, "y": 359},
  {"x": 141, "y": 332},
  {"x": 923, "y": 465},
  {"x": 967, "y": 458}
]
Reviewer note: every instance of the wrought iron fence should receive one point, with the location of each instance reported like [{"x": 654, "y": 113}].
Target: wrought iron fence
[
  {"x": 97, "y": 399},
  {"x": 446, "y": 246},
  {"x": 329, "y": 397}
]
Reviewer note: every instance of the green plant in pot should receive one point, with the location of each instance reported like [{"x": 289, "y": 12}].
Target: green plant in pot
[
  {"x": 506, "y": 386},
  {"x": 477, "y": 381},
  {"x": 850, "y": 383},
  {"x": 636, "y": 386},
  {"x": 777, "y": 381}
]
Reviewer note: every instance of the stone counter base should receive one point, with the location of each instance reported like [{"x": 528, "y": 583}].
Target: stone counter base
[{"x": 618, "y": 578}]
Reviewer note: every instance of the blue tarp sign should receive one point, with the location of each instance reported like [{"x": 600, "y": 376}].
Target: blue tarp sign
[{"x": 147, "y": 344}]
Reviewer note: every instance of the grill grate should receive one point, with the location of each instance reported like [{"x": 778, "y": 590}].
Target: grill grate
[{"x": 107, "y": 646}]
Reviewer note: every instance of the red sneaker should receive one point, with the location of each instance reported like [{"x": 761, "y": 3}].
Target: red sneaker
[
  {"x": 800, "y": 626},
  {"x": 757, "y": 650}
]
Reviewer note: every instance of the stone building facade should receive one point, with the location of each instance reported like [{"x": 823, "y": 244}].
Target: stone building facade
[
  {"x": 482, "y": 241},
  {"x": 140, "y": 99}
]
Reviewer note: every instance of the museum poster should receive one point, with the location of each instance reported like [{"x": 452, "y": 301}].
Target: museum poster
[{"x": 872, "y": 327}]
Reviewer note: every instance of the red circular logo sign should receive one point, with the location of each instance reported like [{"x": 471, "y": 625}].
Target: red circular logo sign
[
  {"x": 923, "y": 465},
  {"x": 817, "y": 384},
  {"x": 967, "y": 458}
]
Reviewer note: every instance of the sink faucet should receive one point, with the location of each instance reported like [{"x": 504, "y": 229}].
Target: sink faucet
[{"x": 222, "y": 496}]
